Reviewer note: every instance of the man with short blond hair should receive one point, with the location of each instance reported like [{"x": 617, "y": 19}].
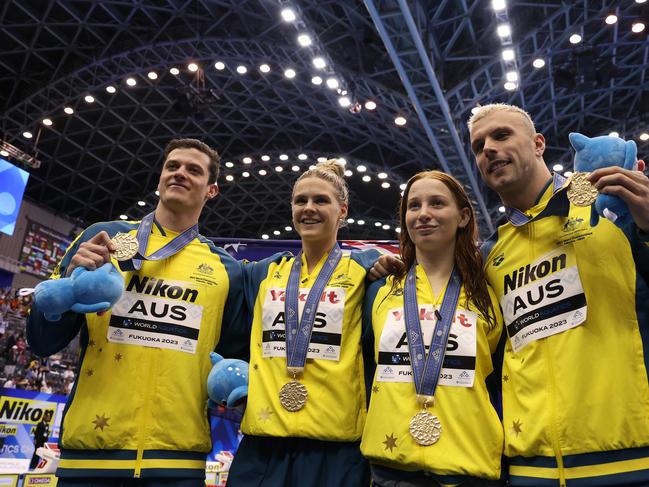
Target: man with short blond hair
[{"x": 575, "y": 299}]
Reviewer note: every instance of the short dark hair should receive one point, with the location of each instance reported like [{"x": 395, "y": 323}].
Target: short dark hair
[{"x": 215, "y": 159}]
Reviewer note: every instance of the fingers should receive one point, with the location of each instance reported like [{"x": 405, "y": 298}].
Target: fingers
[
  {"x": 635, "y": 182},
  {"x": 373, "y": 274},
  {"x": 92, "y": 254}
]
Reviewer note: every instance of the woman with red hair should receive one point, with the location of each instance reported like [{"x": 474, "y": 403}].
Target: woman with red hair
[{"x": 436, "y": 324}]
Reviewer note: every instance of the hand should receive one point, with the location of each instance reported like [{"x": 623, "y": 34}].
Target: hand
[
  {"x": 92, "y": 254},
  {"x": 384, "y": 265},
  {"x": 630, "y": 185}
]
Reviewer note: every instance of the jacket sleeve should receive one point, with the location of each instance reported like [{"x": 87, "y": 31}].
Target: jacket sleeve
[
  {"x": 46, "y": 337},
  {"x": 236, "y": 328},
  {"x": 367, "y": 338},
  {"x": 639, "y": 242}
]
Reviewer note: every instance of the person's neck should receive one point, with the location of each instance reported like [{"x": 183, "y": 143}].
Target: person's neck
[
  {"x": 176, "y": 221},
  {"x": 438, "y": 266},
  {"x": 314, "y": 250},
  {"x": 526, "y": 198}
]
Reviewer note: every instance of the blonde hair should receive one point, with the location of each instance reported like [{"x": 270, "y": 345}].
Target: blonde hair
[
  {"x": 333, "y": 172},
  {"x": 499, "y": 107}
]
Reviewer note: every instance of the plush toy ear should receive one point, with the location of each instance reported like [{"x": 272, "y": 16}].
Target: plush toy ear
[
  {"x": 215, "y": 358},
  {"x": 578, "y": 140},
  {"x": 630, "y": 154}
]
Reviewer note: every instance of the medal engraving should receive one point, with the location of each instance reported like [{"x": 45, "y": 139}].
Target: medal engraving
[
  {"x": 425, "y": 428},
  {"x": 580, "y": 191},
  {"x": 293, "y": 395},
  {"x": 126, "y": 246}
]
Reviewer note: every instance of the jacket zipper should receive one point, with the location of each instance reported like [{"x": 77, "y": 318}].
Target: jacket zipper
[{"x": 556, "y": 446}]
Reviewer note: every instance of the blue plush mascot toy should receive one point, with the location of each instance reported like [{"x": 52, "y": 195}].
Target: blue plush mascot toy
[
  {"x": 227, "y": 383},
  {"x": 83, "y": 292},
  {"x": 597, "y": 152}
]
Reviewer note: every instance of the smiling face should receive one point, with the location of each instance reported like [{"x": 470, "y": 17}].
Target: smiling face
[
  {"x": 508, "y": 152},
  {"x": 316, "y": 210},
  {"x": 184, "y": 181},
  {"x": 432, "y": 216}
]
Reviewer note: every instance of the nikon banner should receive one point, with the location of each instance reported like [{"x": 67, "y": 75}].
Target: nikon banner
[{"x": 20, "y": 412}]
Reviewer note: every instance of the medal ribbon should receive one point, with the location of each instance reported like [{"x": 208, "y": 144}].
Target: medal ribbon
[
  {"x": 298, "y": 335},
  {"x": 169, "y": 249},
  {"x": 426, "y": 368}
]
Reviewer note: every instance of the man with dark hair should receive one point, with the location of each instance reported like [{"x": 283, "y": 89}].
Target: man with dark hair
[{"x": 137, "y": 415}]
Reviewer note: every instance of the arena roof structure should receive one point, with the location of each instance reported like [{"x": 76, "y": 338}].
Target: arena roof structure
[{"x": 94, "y": 89}]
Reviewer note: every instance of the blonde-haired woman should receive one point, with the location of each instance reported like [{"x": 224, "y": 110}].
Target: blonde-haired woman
[{"x": 307, "y": 398}]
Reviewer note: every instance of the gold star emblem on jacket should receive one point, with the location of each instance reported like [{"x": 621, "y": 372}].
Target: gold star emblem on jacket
[
  {"x": 101, "y": 422},
  {"x": 390, "y": 442}
]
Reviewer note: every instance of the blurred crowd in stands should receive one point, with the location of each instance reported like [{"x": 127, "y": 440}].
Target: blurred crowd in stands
[{"x": 19, "y": 367}]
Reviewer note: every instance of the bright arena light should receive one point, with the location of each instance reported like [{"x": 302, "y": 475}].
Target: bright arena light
[
  {"x": 385, "y": 185},
  {"x": 319, "y": 63},
  {"x": 265, "y": 158},
  {"x": 644, "y": 136},
  {"x": 511, "y": 76},
  {"x": 288, "y": 229},
  {"x": 247, "y": 160},
  {"x": 348, "y": 173},
  {"x": 304, "y": 40},
  {"x": 290, "y": 73},
  {"x": 508, "y": 54},
  {"x": 366, "y": 179},
  {"x": 614, "y": 134},
  {"x": 557, "y": 167},
  {"x": 504, "y": 30},
  {"x": 575, "y": 39},
  {"x": 501, "y": 209},
  {"x": 131, "y": 82},
  {"x": 316, "y": 80},
  {"x": 288, "y": 15},
  {"x": 538, "y": 63},
  {"x": 637, "y": 27},
  {"x": 265, "y": 236},
  {"x": 279, "y": 168},
  {"x": 295, "y": 168},
  {"x": 89, "y": 98},
  {"x": 174, "y": 71},
  {"x": 68, "y": 110},
  {"x": 264, "y": 68},
  {"x": 152, "y": 75},
  {"x": 370, "y": 105},
  {"x": 229, "y": 164},
  {"x": 302, "y": 157},
  {"x": 400, "y": 121},
  {"x": 193, "y": 67},
  {"x": 219, "y": 65},
  {"x": 27, "y": 135},
  {"x": 610, "y": 19},
  {"x": 361, "y": 168},
  {"x": 510, "y": 86},
  {"x": 283, "y": 157},
  {"x": 344, "y": 101},
  {"x": 141, "y": 203},
  {"x": 498, "y": 5},
  {"x": 382, "y": 175},
  {"x": 332, "y": 83},
  {"x": 111, "y": 89},
  {"x": 123, "y": 217},
  {"x": 47, "y": 122},
  {"x": 229, "y": 177},
  {"x": 360, "y": 222},
  {"x": 241, "y": 69}
]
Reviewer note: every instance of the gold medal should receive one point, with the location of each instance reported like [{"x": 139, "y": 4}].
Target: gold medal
[
  {"x": 293, "y": 395},
  {"x": 580, "y": 191},
  {"x": 126, "y": 246},
  {"x": 425, "y": 428}
]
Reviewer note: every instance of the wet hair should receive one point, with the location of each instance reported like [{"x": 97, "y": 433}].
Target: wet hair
[
  {"x": 333, "y": 172},
  {"x": 468, "y": 259},
  {"x": 485, "y": 110},
  {"x": 215, "y": 159}
]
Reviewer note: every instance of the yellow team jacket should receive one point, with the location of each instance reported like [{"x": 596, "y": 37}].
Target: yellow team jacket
[
  {"x": 576, "y": 309},
  {"x": 335, "y": 409},
  {"x": 139, "y": 405},
  {"x": 471, "y": 440}
]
